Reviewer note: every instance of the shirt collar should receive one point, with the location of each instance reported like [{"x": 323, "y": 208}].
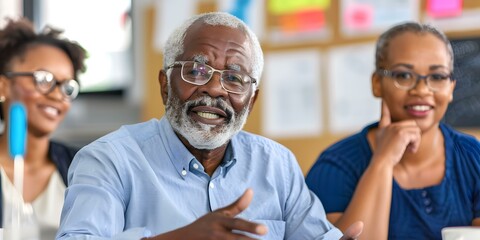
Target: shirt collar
[
  {"x": 178, "y": 153},
  {"x": 229, "y": 159},
  {"x": 182, "y": 159}
]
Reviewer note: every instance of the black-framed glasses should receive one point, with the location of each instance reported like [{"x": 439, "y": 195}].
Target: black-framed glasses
[
  {"x": 407, "y": 80},
  {"x": 45, "y": 83},
  {"x": 232, "y": 81}
]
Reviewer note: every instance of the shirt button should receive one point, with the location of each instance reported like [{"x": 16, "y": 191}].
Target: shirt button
[
  {"x": 195, "y": 166},
  {"x": 184, "y": 172},
  {"x": 428, "y": 209},
  {"x": 212, "y": 185},
  {"x": 427, "y": 201},
  {"x": 424, "y": 193}
]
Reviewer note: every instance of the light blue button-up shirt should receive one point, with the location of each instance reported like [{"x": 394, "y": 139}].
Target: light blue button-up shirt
[{"x": 141, "y": 181}]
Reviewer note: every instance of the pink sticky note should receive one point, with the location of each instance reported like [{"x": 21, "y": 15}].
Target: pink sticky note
[
  {"x": 358, "y": 16},
  {"x": 444, "y": 8}
]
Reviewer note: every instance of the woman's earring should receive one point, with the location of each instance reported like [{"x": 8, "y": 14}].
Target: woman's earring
[{"x": 2, "y": 99}]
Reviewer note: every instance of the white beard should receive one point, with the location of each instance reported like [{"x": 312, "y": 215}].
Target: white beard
[{"x": 200, "y": 135}]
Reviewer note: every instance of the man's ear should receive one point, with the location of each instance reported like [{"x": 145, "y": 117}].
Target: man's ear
[
  {"x": 163, "y": 81},
  {"x": 376, "y": 85},
  {"x": 254, "y": 99}
]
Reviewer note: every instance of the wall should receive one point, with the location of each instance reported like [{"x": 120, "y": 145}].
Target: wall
[
  {"x": 93, "y": 116},
  {"x": 305, "y": 148}
]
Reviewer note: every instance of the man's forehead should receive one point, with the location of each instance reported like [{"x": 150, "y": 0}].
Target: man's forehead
[{"x": 230, "y": 64}]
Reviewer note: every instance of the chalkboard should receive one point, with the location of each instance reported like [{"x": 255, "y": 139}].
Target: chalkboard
[{"x": 464, "y": 111}]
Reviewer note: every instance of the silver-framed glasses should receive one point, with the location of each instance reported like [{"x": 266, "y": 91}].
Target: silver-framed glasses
[{"x": 196, "y": 73}]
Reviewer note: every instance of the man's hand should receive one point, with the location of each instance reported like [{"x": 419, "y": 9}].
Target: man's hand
[
  {"x": 220, "y": 224},
  {"x": 353, "y": 232}
]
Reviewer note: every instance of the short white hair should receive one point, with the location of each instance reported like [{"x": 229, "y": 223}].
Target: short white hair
[{"x": 174, "y": 45}]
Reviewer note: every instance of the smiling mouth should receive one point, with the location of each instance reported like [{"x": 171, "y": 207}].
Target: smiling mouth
[
  {"x": 419, "y": 108},
  {"x": 208, "y": 115},
  {"x": 210, "y": 110},
  {"x": 51, "y": 111}
]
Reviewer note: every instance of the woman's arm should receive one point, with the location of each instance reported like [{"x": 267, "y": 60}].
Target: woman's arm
[
  {"x": 370, "y": 203},
  {"x": 372, "y": 198}
]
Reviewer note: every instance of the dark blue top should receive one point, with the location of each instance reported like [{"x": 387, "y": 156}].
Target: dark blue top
[
  {"x": 61, "y": 155},
  {"x": 415, "y": 213}
]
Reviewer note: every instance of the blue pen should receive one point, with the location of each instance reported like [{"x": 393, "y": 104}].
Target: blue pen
[{"x": 17, "y": 134}]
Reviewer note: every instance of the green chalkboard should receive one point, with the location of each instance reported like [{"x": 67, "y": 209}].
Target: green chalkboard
[{"x": 464, "y": 111}]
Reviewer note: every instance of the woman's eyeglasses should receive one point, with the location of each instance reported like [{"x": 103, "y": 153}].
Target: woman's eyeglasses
[
  {"x": 407, "y": 80},
  {"x": 45, "y": 83}
]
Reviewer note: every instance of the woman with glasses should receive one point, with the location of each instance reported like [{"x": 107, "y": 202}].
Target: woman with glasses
[
  {"x": 408, "y": 175},
  {"x": 40, "y": 71}
]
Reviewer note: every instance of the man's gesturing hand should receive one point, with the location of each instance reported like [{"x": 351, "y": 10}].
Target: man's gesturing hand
[{"x": 222, "y": 224}]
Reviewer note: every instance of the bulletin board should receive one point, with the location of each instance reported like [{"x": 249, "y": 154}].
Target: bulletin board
[{"x": 332, "y": 35}]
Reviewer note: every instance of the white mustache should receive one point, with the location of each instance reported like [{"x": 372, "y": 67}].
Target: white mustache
[{"x": 211, "y": 102}]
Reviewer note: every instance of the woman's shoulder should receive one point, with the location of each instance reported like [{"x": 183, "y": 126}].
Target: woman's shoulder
[
  {"x": 463, "y": 148},
  {"x": 355, "y": 144},
  {"x": 62, "y": 155},
  {"x": 59, "y": 148},
  {"x": 459, "y": 139}
]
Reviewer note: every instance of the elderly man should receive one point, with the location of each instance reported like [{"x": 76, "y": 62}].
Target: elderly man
[{"x": 192, "y": 174}]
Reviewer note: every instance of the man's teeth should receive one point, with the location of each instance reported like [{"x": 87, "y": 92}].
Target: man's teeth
[
  {"x": 51, "y": 111},
  {"x": 420, "y": 107},
  {"x": 208, "y": 115}
]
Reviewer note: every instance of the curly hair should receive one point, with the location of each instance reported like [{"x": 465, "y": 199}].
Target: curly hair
[{"x": 19, "y": 35}]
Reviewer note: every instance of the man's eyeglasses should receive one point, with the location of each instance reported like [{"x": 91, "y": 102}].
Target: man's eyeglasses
[
  {"x": 45, "y": 83},
  {"x": 232, "y": 81},
  {"x": 407, "y": 80}
]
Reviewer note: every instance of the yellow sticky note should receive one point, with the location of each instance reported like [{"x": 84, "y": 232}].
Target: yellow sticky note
[{"x": 290, "y": 6}]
